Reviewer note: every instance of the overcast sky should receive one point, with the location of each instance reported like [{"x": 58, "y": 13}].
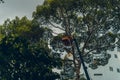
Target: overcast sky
[{"x": 20, "y": 8}]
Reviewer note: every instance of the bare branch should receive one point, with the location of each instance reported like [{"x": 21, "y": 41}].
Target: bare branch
[{"x": 55, "y": 26}]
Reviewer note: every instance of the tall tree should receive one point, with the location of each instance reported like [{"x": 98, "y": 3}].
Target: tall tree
[
  {"x": 95, "y": 25},
  {"x": 21, "y": 61},
  {"x": 24, "y": 51}
]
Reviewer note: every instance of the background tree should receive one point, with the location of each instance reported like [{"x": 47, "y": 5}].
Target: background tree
[
  {"x": 95, "y": 25},
  {"x": 24, "y": 52},
  {"x": 25, "y": 28},
  {"x": 21, "y": 60}
]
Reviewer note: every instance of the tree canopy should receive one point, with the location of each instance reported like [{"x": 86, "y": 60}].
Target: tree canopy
[
  {"x": 95, "y": 25},
  {"x": 24, "y": 51}
]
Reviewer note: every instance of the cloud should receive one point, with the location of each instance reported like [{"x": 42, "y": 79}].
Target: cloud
[{"x": 12, "y": 8}]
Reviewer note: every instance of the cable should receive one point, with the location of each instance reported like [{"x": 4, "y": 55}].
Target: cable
[{"x": 81, "y": 59}]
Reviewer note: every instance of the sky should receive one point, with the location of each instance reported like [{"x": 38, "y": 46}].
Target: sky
[
  {"x": 12, "y": 8},
  {"x": 20, "y": 8}
]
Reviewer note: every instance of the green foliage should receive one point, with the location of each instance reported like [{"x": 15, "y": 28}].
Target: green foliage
[
  {"x": 24, "y": 54},
  {"x": 55, "y": 9},
  {"x": 22, "y": 27},
  {"x": 95, "y": 23},
  {"x": 56, "y": 39},
  {"x": 21, "y": 59}
]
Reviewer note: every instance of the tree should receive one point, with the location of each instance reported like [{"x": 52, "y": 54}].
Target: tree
[
  {"x": 21, "y": 60},
  {"x": 23, "y": 27},
  {"x": 24, "y": 51},
  {"x": 95, "y": 25}
]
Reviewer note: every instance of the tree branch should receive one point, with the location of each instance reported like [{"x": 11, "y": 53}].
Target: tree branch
[
  {"x": 97, "y": 48},
  {"x": 55, "y": 26},
  {"x": 91, "y": 32},
  {"x": 87, "y": 40}
]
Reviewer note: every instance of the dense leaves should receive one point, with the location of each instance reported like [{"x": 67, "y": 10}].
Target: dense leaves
[
  {"x": 23, "y": 27},
  {"x": 21, "y": 60},
  {"x": 95, "y": 25},
  {"x": 24, "y": 51}
]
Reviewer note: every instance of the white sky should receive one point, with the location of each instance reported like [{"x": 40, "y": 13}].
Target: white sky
[{"x": 20, "y": 8}]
